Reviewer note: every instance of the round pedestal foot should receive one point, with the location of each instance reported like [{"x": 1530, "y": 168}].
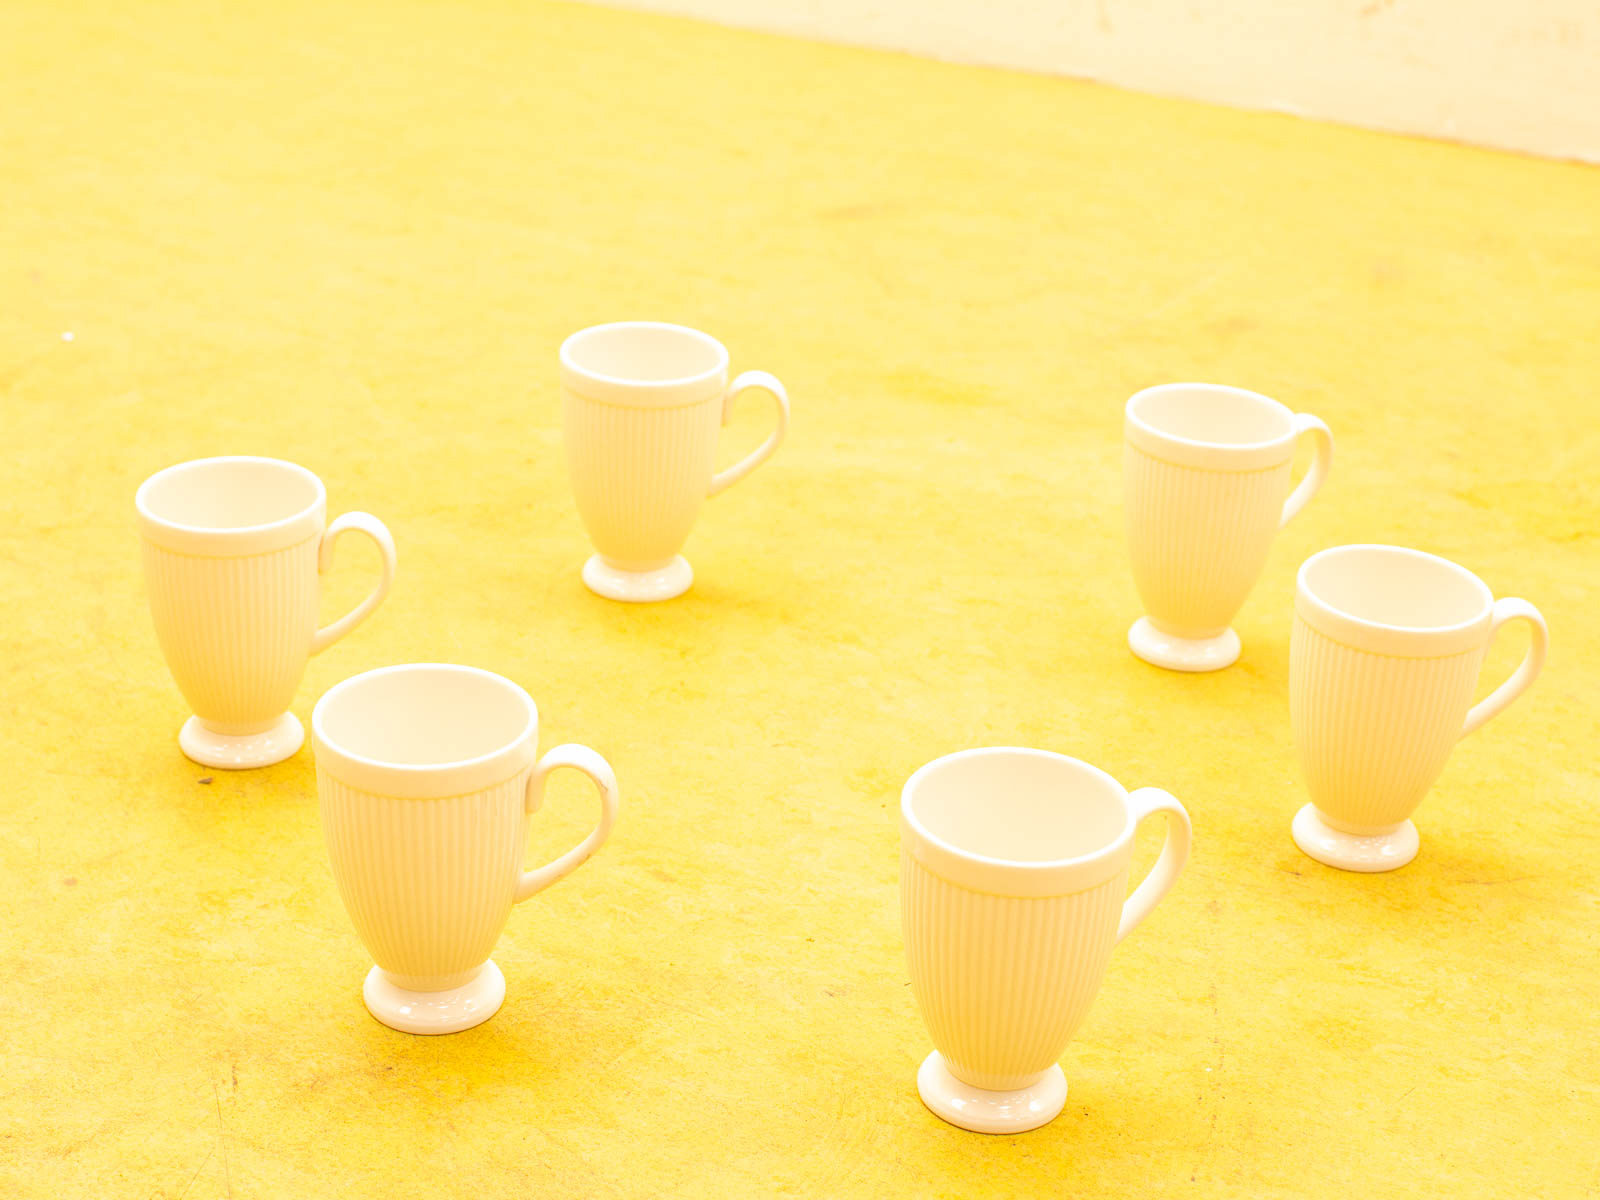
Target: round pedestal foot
[
  {"x": 1182, "y": 654},
  {"x": 984, "y": 1111},
  {"x": 241, "y": 751},
  {"x": 1353, "y": 851},
  {"x": 638, "y": 587},
  {"x": 451, "y": 1011}
]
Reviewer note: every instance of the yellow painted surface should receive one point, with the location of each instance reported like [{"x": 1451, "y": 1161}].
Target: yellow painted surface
[{"x": 355, "y": 240}]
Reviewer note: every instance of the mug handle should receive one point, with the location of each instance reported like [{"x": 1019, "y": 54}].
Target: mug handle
[
  {"x": 379, "y": 533},
  {"x": 580, "y": 758},
  {"x": 1496, "y": 702},
  {"x": 747, "y": 380},
  {"x": 1321, "y": 460},
  {"x": 1146, "y": 802}
]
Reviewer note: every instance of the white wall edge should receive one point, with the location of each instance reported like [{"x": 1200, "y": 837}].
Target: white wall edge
[{"x": 1523, "y": 76}]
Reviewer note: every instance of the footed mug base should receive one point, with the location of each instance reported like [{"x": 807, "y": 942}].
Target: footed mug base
[
  {"x": 241, "y": 751},
  {"x": 450, "y": 1011},
  {"x": 1354, "y": 851},
  {"x": 983, "y": 1111},
  {"x": 1182, "y": 654},
  {"x": 638, "y": 587}
]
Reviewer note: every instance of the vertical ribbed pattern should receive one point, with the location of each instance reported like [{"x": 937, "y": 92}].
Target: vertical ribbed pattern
[
  {"x": 1003, "y": 982},
  {"x": 639, "y": 474},
  {"x": 236, "y": 632},
  {"x": 1373, "y": 731},
  {"x": 1198, "y": 538},
  {"x": 428, "y": 884}
]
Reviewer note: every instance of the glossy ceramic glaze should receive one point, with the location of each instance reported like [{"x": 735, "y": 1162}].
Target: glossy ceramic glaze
[
  {"x": 234, "y": 550},
  {"x": 642, "y": 404},
  {"x": 1013, "y": 872},
  {"x": 427, "y": 775},
  {"x": 1383, "y": 662},
  {"x": 1206, "y": 485}
]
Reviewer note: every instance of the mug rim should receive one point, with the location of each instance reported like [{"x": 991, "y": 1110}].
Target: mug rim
[
  {"x": 1016, "y": 877},
  {"x": 642, "y": 392},
  {"x": 1200, "y": 452},
  {"x": 204, "y": 540},
  {"x": 425, "y": 780},
  {"x": 1412, "y": 641}
]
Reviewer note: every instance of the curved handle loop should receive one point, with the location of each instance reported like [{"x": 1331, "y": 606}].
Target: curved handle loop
[
  {"x": 1146, "y": 802},
  {"x": 379, "y": 533},
  {"x": 746, "y": 381},
  {"x": 579, "y": 758},
  {"x": 1496, "y": 702},
  {"x": 1321, "y": 460}
]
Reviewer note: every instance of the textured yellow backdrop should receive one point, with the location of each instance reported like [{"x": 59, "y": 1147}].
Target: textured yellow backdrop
[{"x": 355, "y": 239}]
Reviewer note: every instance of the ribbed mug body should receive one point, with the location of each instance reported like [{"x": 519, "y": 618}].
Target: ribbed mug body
[
  {"x": 1198, "y": 537},
  {"x": 640, "y": 474},
  {"x": 428, "y": 883},
  {"x": 236, "y": 631},
  {"x": 1373, "y": 731},
  {"x": 1003, "y": 982}
]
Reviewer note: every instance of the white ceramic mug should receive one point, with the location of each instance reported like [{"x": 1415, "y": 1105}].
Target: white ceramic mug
[
  {"x": 1013, "y": 891},
  {"x": 1206, "y": 485},
  {"x": 642, "y": 404},
  {"x": 427, "y": 775},
  {"x": 1383, "y": 662},
  {"x": 234, "y": 551}
]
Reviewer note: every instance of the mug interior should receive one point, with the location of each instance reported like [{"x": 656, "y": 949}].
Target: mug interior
[
  {"x": 424, "y": 714},
  {"x": 1017, "y": 806},
  {"x": 229, "y": 493},
  {"x": 644, "y": 352},
  {"x": 1396, "y": 587},
  {"x": 1211, "y": 414}
]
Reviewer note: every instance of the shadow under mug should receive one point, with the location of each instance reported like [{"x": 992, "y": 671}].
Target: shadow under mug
[
  {"x": 234, "y": 553},
  {"x": 1383, "y": 662},
  {"x": 1013, "y": 891},
  {"x": 427, "y": 775}
]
